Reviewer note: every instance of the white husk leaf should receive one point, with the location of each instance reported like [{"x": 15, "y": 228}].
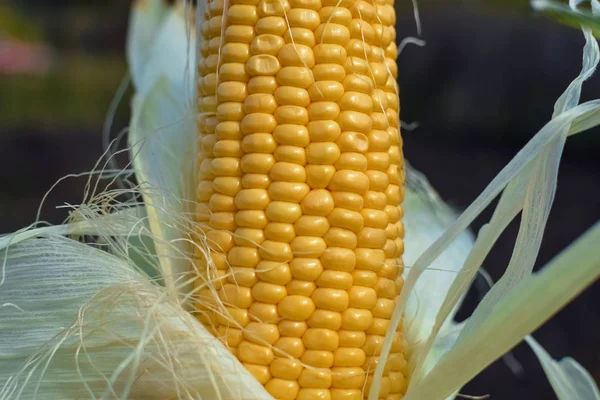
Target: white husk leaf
[
  {"x": 78, "y": 322},
  {"x": 145, "y": 19},
  {"x": 162, "y": 141},
  {"x": 425, "y": 219}
]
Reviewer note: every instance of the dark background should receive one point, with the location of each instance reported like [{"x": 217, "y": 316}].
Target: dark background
[{"x": 484, "y": 84}]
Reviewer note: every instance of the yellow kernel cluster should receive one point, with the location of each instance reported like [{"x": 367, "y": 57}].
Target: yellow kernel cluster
[{"x": 299, "y": 183}]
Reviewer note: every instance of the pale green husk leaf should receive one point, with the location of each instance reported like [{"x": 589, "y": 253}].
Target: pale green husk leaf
[
  {"x": 538, "y": 184},
  {"x": 530, "y": 181},
  {"x": 542, "y": 294},
  {"x": 78, "y": 322},
  {"x": 123, "y": 223},
  {"x": 425, "y": 219},
  {"x": 567, "y": 377},
  {"x": 123, "y": 232}
]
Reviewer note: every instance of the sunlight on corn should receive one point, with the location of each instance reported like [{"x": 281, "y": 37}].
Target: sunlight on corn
[{"x": 300, "y": 179}]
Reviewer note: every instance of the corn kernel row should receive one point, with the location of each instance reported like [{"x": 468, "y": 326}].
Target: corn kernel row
[{"x": 299, "y": 181}]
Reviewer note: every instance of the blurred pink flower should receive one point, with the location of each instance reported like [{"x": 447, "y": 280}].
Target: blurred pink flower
[{"x": 19, "y": 57}]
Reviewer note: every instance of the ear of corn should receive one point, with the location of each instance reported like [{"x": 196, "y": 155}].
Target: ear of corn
[{"x": 300, "y": 178}]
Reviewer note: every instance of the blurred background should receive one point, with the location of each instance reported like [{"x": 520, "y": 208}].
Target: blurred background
[{"x": 483, "y": 85}]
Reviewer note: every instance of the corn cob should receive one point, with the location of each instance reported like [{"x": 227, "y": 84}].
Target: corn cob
[{"x": 299, "y": 183}]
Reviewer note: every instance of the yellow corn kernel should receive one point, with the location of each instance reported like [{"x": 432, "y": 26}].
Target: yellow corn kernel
[{"x": 300, "y": 177}]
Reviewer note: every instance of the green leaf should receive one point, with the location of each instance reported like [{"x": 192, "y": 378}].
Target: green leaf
[{"x": 566, "y": 15}]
